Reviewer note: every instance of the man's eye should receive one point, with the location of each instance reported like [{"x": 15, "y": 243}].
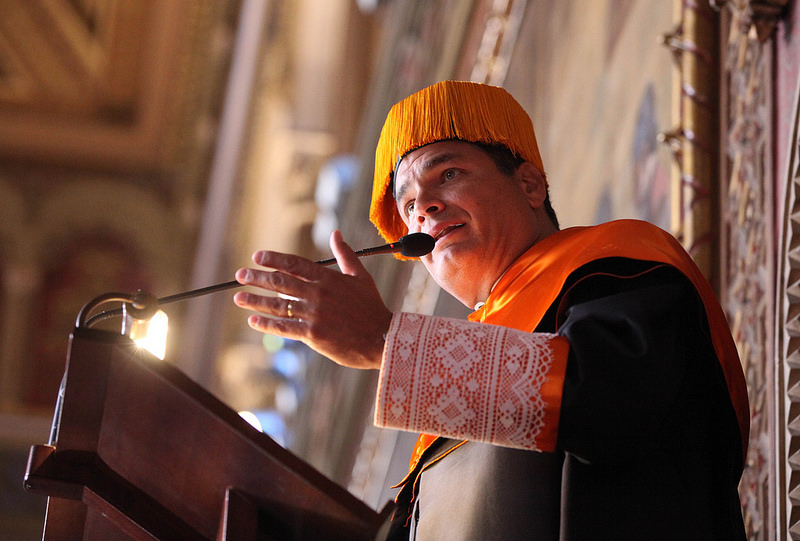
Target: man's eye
[
  {"x": 450, "y": 174},
  {"x": 409, "y": 208}
]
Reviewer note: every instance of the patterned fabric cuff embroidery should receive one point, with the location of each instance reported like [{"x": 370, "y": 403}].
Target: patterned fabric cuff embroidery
[{"x": 470, "y": 380}]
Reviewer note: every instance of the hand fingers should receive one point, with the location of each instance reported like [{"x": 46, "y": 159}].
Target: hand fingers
[
  {"x": 293, "y": 265},
  {"x": 276, "y": 281},
  {"x": 272, "y": 306},
  {"x": 287, "y": 328},
  {"x": 345, "y": 257}
]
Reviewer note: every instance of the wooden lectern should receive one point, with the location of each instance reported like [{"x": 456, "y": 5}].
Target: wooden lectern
[{"x": 142, "y": 452}]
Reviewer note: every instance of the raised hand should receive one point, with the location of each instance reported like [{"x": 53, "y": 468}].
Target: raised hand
[{"x": 339, "y": 314}]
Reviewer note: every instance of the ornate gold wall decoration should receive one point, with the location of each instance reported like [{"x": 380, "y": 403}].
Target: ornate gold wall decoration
[
  {"x": 747, "y": 223},
  {"x": 102, "y": 84}
]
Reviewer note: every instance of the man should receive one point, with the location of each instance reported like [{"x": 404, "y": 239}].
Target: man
[{"x": 595, "y": 392}]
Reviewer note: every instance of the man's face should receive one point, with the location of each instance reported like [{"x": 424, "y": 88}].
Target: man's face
[{"x": 482, "y": 220}]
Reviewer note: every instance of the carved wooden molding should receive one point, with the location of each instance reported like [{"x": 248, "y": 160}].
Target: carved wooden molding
[
  {"x": 789, "y": 371},
  {"x": 787, "y": 378}
]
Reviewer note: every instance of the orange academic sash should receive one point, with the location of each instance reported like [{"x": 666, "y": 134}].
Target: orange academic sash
[{"x": 527, "y": 289}]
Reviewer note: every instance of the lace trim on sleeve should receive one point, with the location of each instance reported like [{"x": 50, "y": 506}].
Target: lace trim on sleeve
[{"x": 473, "y": 381}]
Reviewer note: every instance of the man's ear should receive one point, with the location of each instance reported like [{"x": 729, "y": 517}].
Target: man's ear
[{"x": 533, "y": 184}]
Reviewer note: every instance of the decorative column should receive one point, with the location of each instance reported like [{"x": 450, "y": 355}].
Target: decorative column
[{"x": 693, "y": 43}]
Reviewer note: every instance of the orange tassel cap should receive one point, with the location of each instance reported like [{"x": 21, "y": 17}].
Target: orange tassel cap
[{"x": 466, "y": 111}]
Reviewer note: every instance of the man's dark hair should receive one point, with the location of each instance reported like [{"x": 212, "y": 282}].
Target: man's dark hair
[{"x": 507, "y": 163}]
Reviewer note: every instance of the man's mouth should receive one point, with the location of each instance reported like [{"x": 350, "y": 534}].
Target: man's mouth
[{"x": 446, "y": 230}]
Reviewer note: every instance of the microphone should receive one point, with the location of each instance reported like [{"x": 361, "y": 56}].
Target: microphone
[{"x": 411, "y": 245}]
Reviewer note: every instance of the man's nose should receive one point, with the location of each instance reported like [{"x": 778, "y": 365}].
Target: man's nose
[{"x": 427, "y": 206}]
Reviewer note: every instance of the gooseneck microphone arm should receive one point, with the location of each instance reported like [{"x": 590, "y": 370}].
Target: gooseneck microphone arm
[{"x": 412, "y": 245}]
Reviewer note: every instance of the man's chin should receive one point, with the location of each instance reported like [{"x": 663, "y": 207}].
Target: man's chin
[{"x": 448, "y": 270}]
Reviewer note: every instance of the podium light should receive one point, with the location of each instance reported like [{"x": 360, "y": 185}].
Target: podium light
[
  {"x": 143, "y": 320},
  {"x": 151, "y": 334}
]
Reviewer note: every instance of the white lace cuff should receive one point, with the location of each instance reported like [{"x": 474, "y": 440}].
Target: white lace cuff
[{"x": 472, "y": 381}]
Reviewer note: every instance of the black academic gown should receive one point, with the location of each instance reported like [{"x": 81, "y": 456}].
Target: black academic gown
[{"x": 648, "y": 447}]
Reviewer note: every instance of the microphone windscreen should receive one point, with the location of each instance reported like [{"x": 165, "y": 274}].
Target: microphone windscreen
[{"x": 416, "y": 244}]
